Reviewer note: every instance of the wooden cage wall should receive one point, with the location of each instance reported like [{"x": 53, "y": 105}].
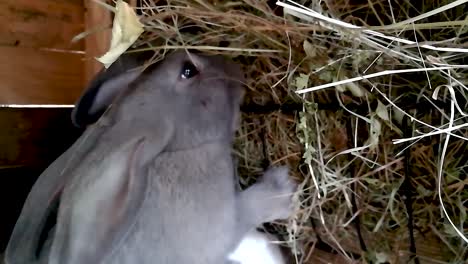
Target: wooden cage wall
[{"x": 40, "y": 65}]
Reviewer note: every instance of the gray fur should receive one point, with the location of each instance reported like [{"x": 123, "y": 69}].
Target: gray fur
[{"x": 153, "y": 180}]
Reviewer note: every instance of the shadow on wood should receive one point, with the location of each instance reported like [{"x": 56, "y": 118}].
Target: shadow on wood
[{"x": 30, "y": 139}]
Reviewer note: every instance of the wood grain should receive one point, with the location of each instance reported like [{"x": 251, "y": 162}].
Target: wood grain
[
  {"x": 97, "y": 43},
  {"x": 34, "y": 137},
  {"x": 30, "y": 76},
  {"x": 43, "y": 24}
]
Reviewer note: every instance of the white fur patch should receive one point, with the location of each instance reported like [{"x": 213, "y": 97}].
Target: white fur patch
[{"x": 257, "y": 248}]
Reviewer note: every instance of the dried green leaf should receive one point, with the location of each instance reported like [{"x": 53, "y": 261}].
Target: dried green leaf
[
  {"x": 381, "y": 111},
  {"x": 302, "y": 81},
  {"x": 355, "y": 89},
  {"x": 449, "y": 230},
  {"x": 375, "y": 130},
  {"x": 398, "y": 115},
  {"x": 309, "y": 49},
  {"x": 381, "y": 257},
  {"x": 308, "y": 155},
  {"x": 326, "y": 75},
  {"x": 423, "y": 191},
  {"x": 310, "y": 107}
]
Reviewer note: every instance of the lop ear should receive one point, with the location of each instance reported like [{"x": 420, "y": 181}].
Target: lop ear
[
  {"x": 24, "y": 244},
  {"x": 105, "y": 86},
  {"x": 100, "y": 208}
]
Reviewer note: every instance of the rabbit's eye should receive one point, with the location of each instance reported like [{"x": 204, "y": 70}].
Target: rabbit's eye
[{"x": 189, "y": 70}]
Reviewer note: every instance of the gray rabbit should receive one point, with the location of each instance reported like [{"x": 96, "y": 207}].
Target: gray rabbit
[{"x": 151, "y": 180}]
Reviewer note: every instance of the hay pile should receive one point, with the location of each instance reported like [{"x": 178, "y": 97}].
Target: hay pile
[{"x": 362, "y": 191}]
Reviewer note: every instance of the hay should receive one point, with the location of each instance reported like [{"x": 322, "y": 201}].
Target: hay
[{"x": 359, "y": 186}]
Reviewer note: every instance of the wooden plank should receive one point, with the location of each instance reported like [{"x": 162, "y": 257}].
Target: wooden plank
[
  {"x": 30, "y": 139},
  {"x": 44, "y": 23},
  {"x": 30, "y": 76},
  {"x": 34, "y": 136},
  {"x": 97, "y": 43}
]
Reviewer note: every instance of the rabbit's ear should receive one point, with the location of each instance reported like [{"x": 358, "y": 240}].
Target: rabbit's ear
[
  {"x": 105, "y": 86},
  {"x": 100, "y": 208},
  {"x": 24, "y": 244}
]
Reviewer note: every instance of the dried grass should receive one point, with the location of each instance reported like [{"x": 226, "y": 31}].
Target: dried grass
[{"x": 340, "y": 138}]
